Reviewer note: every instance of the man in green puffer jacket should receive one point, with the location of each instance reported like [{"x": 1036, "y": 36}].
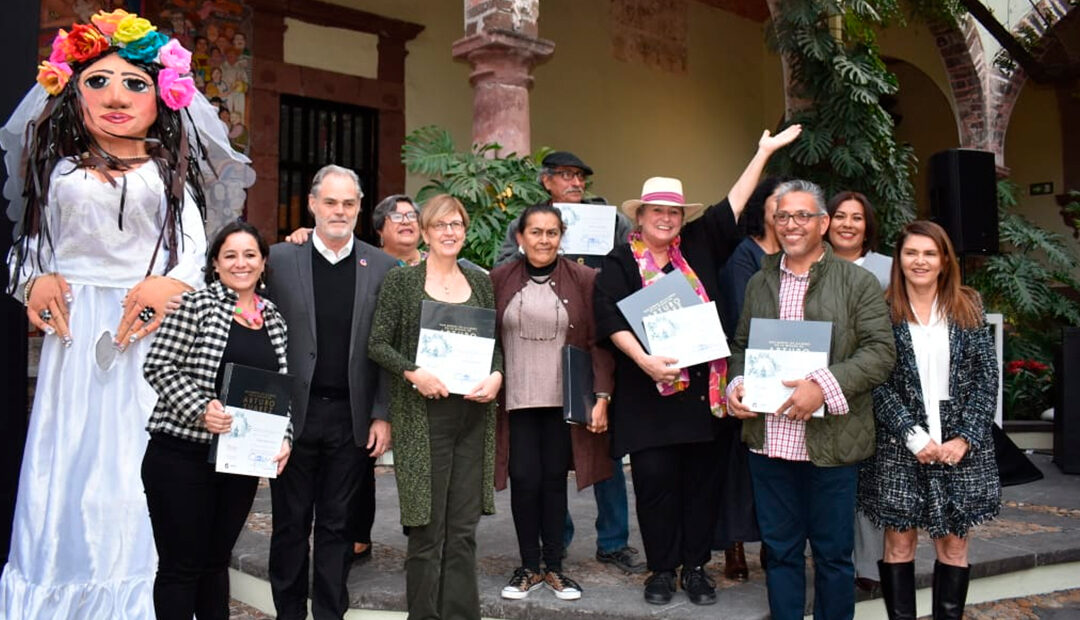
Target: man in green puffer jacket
[{"x": 803, "y": 468}]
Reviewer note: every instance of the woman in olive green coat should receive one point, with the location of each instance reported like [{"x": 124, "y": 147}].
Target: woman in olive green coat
[{"x": 444, "y": 444}]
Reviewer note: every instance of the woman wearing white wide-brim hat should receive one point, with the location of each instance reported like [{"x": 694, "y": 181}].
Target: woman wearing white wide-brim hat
[{"x": 665, "y": 418}]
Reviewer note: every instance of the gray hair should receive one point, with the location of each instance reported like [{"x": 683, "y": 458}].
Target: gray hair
[
  {"x": 805, "y": 187},
  {"x": 335, "y": 169},
  {"x": 388, "y": 205},
  {"x": 545, "y": 171}
]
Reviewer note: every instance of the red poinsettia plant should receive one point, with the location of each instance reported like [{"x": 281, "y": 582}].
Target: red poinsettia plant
[{"x": 1028, "y": 385}]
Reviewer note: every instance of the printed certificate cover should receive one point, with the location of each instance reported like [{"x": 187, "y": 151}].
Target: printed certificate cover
[
  {"x": 258, "y": 401},
  {"x": 671, "y": 292},
  {"x": 781, "y": 351},
  {"x": 456, "y": 344},
  {"x": 590, "y": 229},
  {"x": 578, "y": 396},
  {"x": 691, "y": 334}
]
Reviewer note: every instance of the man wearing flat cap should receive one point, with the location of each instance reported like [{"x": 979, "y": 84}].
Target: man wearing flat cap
[{"x": 563, "y": 176}]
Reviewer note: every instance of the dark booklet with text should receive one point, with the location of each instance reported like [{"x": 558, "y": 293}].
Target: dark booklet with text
[
  {"x": 779, "y": 351},
  {"x": 256, "y": 389},
  {"x": 456, "y": 344},
  {"x": 671, "y": 292},
  {"x": 577, "y": 376}
]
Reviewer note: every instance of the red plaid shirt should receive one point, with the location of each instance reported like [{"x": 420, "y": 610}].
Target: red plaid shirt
[{"x": 784, "y": 438}]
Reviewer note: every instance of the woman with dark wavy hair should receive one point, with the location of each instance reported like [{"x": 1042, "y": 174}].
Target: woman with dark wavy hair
[
  {"x": 109, "y": 159},
  {"x": 934, "y": 467},
  {"x": 197, "y": 513},
  {"x": 853, "y": 234}
]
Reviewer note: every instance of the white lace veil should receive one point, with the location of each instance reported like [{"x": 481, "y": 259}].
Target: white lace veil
[{"x": 226, "y": 173}]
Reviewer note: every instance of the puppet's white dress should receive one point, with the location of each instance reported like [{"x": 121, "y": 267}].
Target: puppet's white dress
[{"x": 82, "y": 546}]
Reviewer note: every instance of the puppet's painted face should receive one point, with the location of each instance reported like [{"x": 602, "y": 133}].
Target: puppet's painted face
[{"x": 119, "y": 101}]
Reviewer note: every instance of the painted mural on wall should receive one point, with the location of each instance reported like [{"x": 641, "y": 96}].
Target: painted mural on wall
[{"x": 216, "y": 31}]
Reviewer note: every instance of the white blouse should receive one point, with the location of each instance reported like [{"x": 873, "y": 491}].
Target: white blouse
[{"x": 930, "y": 345}]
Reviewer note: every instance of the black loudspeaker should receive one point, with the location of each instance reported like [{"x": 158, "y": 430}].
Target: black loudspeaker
[
  {"x": 1067, "y": 406},
  {"x": 963, "y": 198}
]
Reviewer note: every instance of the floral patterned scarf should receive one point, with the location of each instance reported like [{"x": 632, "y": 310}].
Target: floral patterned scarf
[{"x": 650, "y": 273}]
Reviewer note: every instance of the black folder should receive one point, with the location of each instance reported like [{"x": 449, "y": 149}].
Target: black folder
[
  {"x": 578, "y": 396},
  {"x": 256, "y": 389}
]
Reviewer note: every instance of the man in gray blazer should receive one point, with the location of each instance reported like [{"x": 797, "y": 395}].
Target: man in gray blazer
[{"x": 326, "y": 289}]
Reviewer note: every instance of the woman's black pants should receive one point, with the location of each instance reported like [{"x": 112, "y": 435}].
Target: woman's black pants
[
  {"x": 197, "y": 514},
  {"x": 539, "y": 460}
]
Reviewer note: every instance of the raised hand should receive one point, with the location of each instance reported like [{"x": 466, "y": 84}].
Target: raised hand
[
  {"x": 145, "y": 308},
  {"x": 770, "y": 143}
]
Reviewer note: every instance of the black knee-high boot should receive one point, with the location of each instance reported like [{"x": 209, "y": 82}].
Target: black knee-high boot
[
  {"x": 950, "y": 590},
  {"x": 898, "y": 589}
]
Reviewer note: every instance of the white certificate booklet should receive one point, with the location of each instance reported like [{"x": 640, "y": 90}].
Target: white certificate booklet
[
  {"x": 456, "y": 344},
  {"x": 780, "y": 351},
  {"x": 590, "y": 229},
  {"x": 691, "y": 334},
  {"x": 251, "y": 445}
]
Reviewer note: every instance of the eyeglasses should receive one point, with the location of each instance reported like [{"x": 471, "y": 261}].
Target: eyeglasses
[
  {"x": 569, "y": 175},
  {"x": 801, "y": 218},
  {"x": 398, "y": 217},
  {"x": 455, "y": 226}
]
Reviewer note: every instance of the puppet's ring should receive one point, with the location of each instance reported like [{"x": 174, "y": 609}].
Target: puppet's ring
[
  {"x": 146, "y": 314},
  {"x": 46, "y": 315}
]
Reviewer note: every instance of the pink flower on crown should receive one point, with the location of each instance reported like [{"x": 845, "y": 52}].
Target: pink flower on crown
[
  {"x": 59, "y": 48},
  {"x": 172, "y": 55},
  {"x": 175, "y": 91},
  {"x": 53, "y": 77}
]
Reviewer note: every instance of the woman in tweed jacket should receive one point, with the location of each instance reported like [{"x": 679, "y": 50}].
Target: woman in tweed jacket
[
  {"x": 934, "y": 467},
  {"x": 197, "y": 513},
  {"x": 444, "y": 444}
]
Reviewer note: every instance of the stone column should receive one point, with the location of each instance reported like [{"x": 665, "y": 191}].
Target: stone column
[{"x": 501, "y": 45}]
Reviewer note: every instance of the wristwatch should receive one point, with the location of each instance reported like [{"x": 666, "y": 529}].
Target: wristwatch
[{"x": 603, "y": 396}]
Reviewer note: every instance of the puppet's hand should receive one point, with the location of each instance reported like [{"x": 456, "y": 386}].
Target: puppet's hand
[
  {"x": 144, "y": 308},
  {"x": 47, "y": 305}
]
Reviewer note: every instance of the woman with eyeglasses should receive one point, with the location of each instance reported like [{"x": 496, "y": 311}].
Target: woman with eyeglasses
[
  {"x": 444, "y": 444},
  {"x": 396, "y": 219},
  {"x": 541, "y": 304}
]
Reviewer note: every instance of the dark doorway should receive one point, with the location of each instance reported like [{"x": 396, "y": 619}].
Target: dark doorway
[{"x": 315, "y": 133}]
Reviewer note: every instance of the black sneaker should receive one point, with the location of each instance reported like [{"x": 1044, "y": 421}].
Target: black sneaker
[
  {"x": 660, "y": 587},
  {"x": 699, "y": 588},
  {"x": 624, "y": 559},
  {"x": 564, "y": 587},
  {"x": 521, "y": 583}
]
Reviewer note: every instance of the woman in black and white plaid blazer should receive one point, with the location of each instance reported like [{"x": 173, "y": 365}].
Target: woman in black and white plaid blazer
[
  {"x": 197, "y": 513},
  {"x": 934, "y": 467}
]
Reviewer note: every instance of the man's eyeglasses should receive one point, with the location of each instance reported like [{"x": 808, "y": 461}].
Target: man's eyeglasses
[
  {"x": 801, "y": 218},
  {"x": 398, "y": 217},
  {"x": 569, "y": 175},
  {"x": 455, "y": 226}
]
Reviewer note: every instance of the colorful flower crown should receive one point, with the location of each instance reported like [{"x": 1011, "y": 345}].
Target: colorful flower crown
[{"x": 137, "y": 40}]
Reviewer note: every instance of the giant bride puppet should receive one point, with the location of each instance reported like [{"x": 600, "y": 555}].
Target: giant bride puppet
[{"x": 113, "y": 159}]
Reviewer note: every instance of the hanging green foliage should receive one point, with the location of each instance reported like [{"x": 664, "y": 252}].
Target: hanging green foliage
[
  {"x": 493, "y": 189},
  {"x": 847, "y": 141}
]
